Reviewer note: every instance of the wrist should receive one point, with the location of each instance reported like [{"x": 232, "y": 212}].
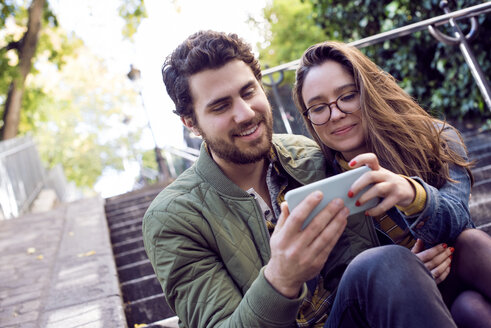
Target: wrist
[
  {"x": 410, "y": 193},
  {"x": 288, "y": 289}
]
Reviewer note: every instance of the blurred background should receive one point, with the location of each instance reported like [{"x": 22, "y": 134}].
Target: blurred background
[
  {"x": 82, "y": 80},
  {"x": 88, "y": 137}
]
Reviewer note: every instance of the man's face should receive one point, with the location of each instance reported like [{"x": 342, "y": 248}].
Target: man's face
[{"x": 232, "y": 113}]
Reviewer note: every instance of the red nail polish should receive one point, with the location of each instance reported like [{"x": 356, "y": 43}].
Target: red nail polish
[
  {"x": 350, "y": 194},
  {"x": 357, "y": 203},
  {"x": 452, "y": 249},
  {"x": 352, "y": 163},
  {"x": 451, "y": 257},
  {"x": 444, "y": 245}
]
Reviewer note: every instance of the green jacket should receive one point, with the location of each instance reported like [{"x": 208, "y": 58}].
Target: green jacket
[{"x": 207, "y": 241}]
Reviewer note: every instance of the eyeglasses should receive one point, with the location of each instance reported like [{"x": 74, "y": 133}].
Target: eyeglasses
[{"x": 347, "y": 103}]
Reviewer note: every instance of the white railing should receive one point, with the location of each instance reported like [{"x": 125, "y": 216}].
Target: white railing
[{"x": 21, "y": 176}]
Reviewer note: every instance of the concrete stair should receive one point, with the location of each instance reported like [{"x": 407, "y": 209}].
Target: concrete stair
[{"x": 143, "y": 299}]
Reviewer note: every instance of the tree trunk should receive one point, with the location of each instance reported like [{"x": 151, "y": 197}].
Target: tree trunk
[{"x": 26, "y": 51}]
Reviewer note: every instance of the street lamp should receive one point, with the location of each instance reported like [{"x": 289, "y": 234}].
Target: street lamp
[{"x": 134, "y": 75}]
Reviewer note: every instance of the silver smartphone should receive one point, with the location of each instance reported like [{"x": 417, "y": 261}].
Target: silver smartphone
[{"x": 336, "y": 186}]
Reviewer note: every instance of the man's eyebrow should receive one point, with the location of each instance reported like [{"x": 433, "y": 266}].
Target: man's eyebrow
[
  {"x": 222, "y": 99},
  {"x": 248, "y": 85},
  {"x": 217, "y": 101},
  {"x": 336, "y": 90}
]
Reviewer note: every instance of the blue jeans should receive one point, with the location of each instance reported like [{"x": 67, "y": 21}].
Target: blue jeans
[{"x": 388, "y": 286}]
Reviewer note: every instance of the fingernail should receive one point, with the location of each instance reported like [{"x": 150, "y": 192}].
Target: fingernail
[
  {"x": 366, "y": 213},
  {"x": 452, "y": 249},
  {"x": 444, "y": 245},
  {"x": 352, "y": 163},
  {"x": 357, "y": 203},
  {"x": 451, "y": 256},
  {"x": 350, "y": 194}
]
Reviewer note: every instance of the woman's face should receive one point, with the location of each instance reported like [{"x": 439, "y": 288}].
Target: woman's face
[{"x": 325, "y": 84}]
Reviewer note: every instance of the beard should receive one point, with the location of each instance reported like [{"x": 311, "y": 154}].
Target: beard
[{"x": 253, "y": 152}]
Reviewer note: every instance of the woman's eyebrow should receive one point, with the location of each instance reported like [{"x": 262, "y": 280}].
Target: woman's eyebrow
[
  {"x": 336, "y": 90},
  {"x": 344, "y": 86}
]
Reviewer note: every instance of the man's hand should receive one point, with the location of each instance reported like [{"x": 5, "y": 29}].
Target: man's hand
[
  {"x": 298, "y": 255},
  {"x": 436, "y": 259}
]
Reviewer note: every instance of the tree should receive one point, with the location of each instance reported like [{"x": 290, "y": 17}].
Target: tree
[
  {"x": 76, "y": 120},
  {"x": 86, "y": 130},
  {"x": 289, "y": 30},
  {"x": 433, "y": 73},
  {"x": 26, "y": 48},
  {"x": 38, "y": 15}
]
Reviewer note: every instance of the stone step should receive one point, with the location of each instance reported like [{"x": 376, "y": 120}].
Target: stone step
[
  {"x": 140, "y": 288},
  {"x": 150, "y": 311}
]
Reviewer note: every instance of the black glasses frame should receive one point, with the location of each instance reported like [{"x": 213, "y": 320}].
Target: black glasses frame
[{"x": 307, "y": 111}]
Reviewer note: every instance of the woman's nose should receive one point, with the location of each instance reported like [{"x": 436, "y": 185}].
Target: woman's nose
[{"x": 336, "y": 114}]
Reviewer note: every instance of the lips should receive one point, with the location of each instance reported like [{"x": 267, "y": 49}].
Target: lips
[
  {"x": 249, "y": 131},
  {"x": 343, "y": 130}
]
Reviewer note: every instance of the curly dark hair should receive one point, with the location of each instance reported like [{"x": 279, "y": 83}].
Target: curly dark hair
[{"x": 201, "y": 51}]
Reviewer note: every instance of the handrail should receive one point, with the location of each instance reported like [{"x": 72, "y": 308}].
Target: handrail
[
  {"x": 187, "y": 153},
  {"x": 398, "y": 32},
  {"x": 447, "y": 18},
  {"x": 22, "y": 176}
]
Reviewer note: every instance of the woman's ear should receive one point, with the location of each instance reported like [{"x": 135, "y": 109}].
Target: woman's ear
[{"x": 189, "y": 123}]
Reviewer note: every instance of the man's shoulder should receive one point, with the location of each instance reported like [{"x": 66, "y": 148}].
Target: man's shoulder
[
  {"x": 289, "y": 140},
  {"x": 185, "y": 189},
  {"x": 296, "y": 146},
  {"x": 300, "y": 156}
]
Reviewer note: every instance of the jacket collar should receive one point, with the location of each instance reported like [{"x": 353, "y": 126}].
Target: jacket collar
[{"x": 298, "y": 155}]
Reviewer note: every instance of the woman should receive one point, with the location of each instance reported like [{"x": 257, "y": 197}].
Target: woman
[{"x": 360, "y": 116}]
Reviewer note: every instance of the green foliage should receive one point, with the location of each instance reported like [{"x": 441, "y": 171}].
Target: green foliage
[
  {"x": 290, "y": 30},
  {"x": 133, "y": 11},
  {"x": 76, "y": 120},
  {"x": 148, "y": 160},
  {"x": 79, "y": 121},
  {"x": 435, "y": 74},
  {"x": 6, "y": 10}
]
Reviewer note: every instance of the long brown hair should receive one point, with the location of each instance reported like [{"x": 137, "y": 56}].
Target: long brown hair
[{"x": 405, "y": 138}]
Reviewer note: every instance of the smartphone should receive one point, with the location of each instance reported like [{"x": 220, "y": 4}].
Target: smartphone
[{"x": 336, "y": 186}]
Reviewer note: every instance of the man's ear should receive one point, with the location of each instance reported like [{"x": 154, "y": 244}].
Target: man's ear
[{"x": 188, "y": 122}]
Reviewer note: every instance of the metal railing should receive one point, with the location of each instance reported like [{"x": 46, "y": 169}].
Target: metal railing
[
  {"x": 21, "y": 176},
  {"x": 428, "y": 24}
]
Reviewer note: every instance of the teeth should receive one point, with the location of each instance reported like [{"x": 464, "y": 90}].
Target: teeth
[{"x": 247, "y": 132}]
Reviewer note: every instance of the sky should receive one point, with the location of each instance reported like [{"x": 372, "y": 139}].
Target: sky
[{"x": 169, "y": 22}]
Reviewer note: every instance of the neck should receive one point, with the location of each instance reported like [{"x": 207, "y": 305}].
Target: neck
[{"x": 246, "y": 176}]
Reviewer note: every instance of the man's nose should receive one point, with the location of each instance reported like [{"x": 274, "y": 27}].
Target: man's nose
[{"x": 243, "y": 111}]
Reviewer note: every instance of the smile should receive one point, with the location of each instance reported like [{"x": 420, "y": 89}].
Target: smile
[
  {"x": 249, "y": 131},
  {"x": 343, "y": 130}
]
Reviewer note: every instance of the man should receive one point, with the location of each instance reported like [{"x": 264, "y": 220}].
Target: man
[{"x": 225, "y": 248}]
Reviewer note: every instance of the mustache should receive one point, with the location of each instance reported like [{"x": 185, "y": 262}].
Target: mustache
[{"x": 247, "y": 125}]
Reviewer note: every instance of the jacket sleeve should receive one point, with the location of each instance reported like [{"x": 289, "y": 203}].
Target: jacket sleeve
[
  {"x": 446, "y": 212},
  {"x": 197, "y": 285}
]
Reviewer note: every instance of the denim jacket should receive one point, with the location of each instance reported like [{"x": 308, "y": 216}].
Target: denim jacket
[{"x": 446, "y": 213}]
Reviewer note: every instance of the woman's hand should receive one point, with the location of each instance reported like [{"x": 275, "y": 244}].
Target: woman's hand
[
  {"x": 392, "y": 188},
  {"x": 436, "y": 259}
]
